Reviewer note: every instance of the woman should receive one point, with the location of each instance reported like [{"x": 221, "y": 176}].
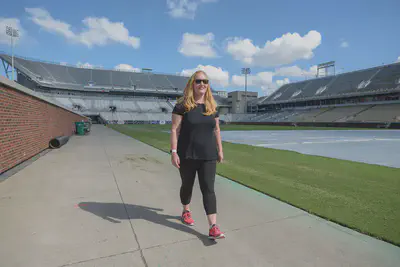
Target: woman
[{"x": 196, "y": 147}]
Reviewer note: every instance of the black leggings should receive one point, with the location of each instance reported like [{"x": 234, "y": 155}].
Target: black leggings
[{"x": 206, "y": 173}]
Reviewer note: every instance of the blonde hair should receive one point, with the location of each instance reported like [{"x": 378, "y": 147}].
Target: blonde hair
[{"x": 188, "y": 96}]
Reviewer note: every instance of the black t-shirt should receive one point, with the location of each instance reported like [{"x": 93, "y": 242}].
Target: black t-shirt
[{"x": 197, "y": 137}]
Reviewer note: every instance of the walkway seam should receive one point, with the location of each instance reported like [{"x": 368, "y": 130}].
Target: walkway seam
[
  {"x": 102, "y": 257},
  {"x": 230, "y": 231},
  {"x": 126, "y": 210},
  {"x": 271, "y": 221}
]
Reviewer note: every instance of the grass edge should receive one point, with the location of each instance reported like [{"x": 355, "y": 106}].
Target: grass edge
[{"x": 285, "y": 201}]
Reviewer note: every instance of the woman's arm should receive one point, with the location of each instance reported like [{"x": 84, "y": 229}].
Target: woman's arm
[
  {"x": 219, "y": 141},
  {"x": 175, "y": 130}
]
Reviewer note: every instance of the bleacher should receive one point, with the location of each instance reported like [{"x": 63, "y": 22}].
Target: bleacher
[
  {"x": 125, "y": 96},
  {"x": 146, "y": 96},
  {"x": 379, "y": 113},
  {"x": 54, "y": 75},
  {"x": 97, "y": 103},
  {"x": 374, "y": 80},
  {"x": 357, "y": 96},
  {"x": 339, "y": 113},
  {"x": 355, "y": 113},
  {"x": 126, "y": 109},
  {"x": 309, "y": 114}
]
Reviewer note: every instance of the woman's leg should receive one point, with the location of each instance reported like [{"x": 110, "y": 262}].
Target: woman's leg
[
  {"x": 206, "y": 173},
  {"x": 207, "y": 179},
  {"x": 188, "y": 173}
]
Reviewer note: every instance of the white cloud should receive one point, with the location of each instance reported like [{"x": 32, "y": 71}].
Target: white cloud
[
  {"x": 295, "y": 71},
  {"x": 283, "y": 50},
  {"x": 126, "y": 67},
  {"x": 344, "y": 44},
  {"x": 268, "y": 90},
  {"x": 217, "y": 75},
  {"x": 84, "y": 65},
  {"x": 279, "y": 83},
  {"x": 398, "y": 59},
  {"x": 197, "y": 45},
  {"x": 97, "y": 31},
  {"x": 271, "y": 88},
  {"x": 242, "y": 49},
  {"x": 185, "y": 9},
  {"x": 15, "y": 24},
  {"x": 258, "y": 80},
  {"x": 262, "y": 80},
  {"x": 238, "y": 80}
]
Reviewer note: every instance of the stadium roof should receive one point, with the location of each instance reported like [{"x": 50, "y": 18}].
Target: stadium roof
[
  {"x": 382, "y": 79},
  {"x": 54, "y": 75}
]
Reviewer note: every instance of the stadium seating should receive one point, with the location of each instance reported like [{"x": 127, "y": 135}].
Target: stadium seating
[
  {"x": 236, "y": 117},
  {"x": 338, "y": 113},
  {"x": 378, "y": 79},
  {"x": 127, "y": 96},
  {"x": 309, "y": 114},
  {"x": 379, "y": 113},
  {"x": 355, "y": 113},
  {"x": 72, "y": 77},
  {"x": 388, "y": 77}
]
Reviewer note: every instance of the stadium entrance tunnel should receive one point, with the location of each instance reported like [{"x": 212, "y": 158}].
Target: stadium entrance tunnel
[{"x": 96, "y": 119}]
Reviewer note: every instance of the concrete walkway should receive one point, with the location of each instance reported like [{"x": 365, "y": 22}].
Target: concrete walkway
[{"x": 109, "y": 200}]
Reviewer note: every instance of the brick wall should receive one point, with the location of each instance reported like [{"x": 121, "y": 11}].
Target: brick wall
[{"x": 27, "y": 124}]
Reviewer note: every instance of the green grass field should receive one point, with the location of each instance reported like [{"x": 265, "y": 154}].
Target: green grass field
[{"x": 360, "y": 196}]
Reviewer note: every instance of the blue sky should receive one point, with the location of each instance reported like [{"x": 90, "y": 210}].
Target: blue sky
[{"x": 280, "y": 41}]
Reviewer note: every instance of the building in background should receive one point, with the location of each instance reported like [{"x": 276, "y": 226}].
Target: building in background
[
  {"x": 223, "y": 94},
  {"x": 237, "y": 99}
]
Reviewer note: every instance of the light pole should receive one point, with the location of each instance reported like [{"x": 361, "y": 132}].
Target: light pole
[
  {"x": 13, "y": 33},
  {"x": 245, "y": 71}
]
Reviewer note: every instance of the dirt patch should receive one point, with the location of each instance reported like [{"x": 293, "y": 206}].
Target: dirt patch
[
  {"x": 140, "y": 159},
  {"x": 144, "y": 163}
]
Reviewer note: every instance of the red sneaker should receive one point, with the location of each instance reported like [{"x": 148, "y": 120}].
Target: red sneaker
[
  {"x": 215, "y": 233},
  {"x": 187, "y": 218}
]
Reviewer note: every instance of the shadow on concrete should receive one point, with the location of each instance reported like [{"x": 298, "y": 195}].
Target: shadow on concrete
[{"x": 116, "y": 211}]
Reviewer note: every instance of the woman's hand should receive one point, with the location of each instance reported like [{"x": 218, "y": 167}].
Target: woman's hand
[
  {"x": 220, "y": 156},
  {"x": 175, "y": 160}
]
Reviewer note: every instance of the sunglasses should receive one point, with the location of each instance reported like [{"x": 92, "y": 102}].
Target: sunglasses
[{"x": 198, "y": 81}]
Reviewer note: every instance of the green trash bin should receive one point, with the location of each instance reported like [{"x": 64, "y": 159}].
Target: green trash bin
[{"x": 80, "y": 128}]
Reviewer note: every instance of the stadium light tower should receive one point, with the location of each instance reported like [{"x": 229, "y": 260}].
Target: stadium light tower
[
  {"x": 13, "y": 33},
  {"x": 245, "y": 71}
]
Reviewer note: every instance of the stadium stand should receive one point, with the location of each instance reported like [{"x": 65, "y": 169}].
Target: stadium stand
[
  {"x": 379, "y": 113},
  {"x": 338, "y": 113},
  {"x": 53, "y": 75},
  {"x": 376, "y": 80},
  {"x": 115, "y": 96},
  {"x": 369, "y": 95}
]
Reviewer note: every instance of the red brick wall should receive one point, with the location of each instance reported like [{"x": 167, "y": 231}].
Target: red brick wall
[{"x": 27, "y": 124}]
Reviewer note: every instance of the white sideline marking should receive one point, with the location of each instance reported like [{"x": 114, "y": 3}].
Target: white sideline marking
[
  {"x": 312, "y": 138},
  {"x": 339, "y": 141},
  {"x": 277, "y": 144},
  {"x": 331, "y": 142}
]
